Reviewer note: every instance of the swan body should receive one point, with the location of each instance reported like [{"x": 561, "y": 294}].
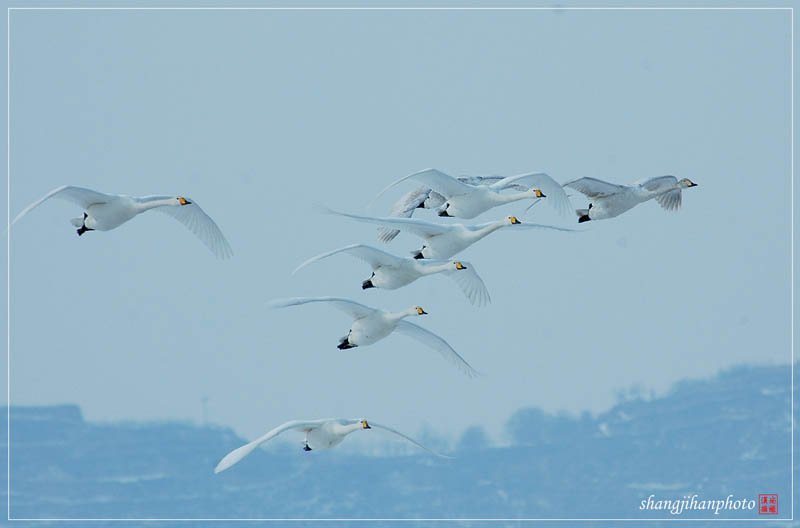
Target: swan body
[
  {"x": 371, "y": 325},
  {"x": 470, "y": 197},
  {"x": 609, "y": 200},
  {"x": 442, "y": 241},
  {"x": 104, "y": 212},
  {"x": 319, "y": 434},
  {"x": 391, "y": 272}
]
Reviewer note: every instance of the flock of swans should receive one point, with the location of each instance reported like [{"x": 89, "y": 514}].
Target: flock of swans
[{"x": 465, "y": 197}]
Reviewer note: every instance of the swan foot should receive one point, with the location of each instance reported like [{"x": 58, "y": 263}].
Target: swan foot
[
  {"x": 367, "y": 284},
  {"x": 305, "y": 447},
  {"x": 419, "y": 255},
  {"x": 345, "y": 343},
  {"x": 584, "y": 218},
  {"x": 82, "y": 229}
]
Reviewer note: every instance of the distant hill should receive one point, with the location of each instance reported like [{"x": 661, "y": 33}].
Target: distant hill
[{"x": 726, "y": 435}]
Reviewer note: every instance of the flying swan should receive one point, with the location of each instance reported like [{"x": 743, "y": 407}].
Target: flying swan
[
  {"x": 469, "y": 197},
  {"x": 371, "y": 325},
  {"x": 103, "y": 212},
  {"x": 391, "y": 272},
  {"x": 319, "y": 434},
  {"x": 609, "y": 200},
  {"x": 442, "y": 241}
]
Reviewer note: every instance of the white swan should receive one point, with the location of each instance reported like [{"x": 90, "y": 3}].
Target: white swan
[
  {"x": 319, "y": 434},
  {"x": 609, "y": 200},
  {"x": 371, "y": 325},
  {"x": 391, "y": 272},
  {"x": 442, "y": 241},
  {"x": 427, "y": 198},
  {"x": 103, "y": 212},
  {"x": 468, "y": 201}
]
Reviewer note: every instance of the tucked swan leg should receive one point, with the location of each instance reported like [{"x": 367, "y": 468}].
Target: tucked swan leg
[
  {"x": 82, "y": 223},
  {"x": 344, "y": 343}
]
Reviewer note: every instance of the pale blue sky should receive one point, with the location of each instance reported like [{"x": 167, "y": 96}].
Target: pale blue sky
[{"x": 258, "y": 115}]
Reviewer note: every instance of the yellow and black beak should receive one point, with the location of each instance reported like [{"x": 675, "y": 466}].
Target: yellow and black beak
[
  {"x": 460, "y": 266},
  {"x": 692, "y": 184},
  {"x": 540, "y": 194},
  {"x": 365, "y": 425},
  {"x": 420, "y": 311},
  {"x": 183, "y": 201},
  {"x": 514, "y": 220}
]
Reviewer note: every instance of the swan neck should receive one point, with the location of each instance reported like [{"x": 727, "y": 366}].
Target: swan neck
[
  {"x": 433, "y": 268},
  {"x": 152, "y": 204},
  {"x": 491, "y": 228}
]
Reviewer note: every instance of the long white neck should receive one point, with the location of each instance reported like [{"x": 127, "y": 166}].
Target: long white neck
[
  {"x": 488, "y": 229},
  {"x": 347, "y": 429},
  {"x": 396, "y": 316},
  {"x": 151, "y": 204},
  {"x": 430, "y": 269},
  {"x": 501, "y": 199}
]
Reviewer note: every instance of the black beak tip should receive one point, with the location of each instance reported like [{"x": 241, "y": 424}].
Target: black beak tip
[{"x": 544, "y": 195}]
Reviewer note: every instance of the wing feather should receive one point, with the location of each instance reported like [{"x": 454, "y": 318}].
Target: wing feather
[
  {"x": 671, "y": 200},
  {"x": 594, "y": 188},
  {"x": 237, "y": 454},
  {"x": 351, "y": 308},
  {"x": 77, "y": 195},
  {"x": 435, "y": 342},
  {"x": 398, "y": 433},
  {"x": 554, "y": 191},
  {"x": 471, "y": 284},
  {"x": 404, "y": 208},
  {"x": 418, "y": 227},
  {"x": 199, "y": 223},
  {"x": 372, "y": 256}
]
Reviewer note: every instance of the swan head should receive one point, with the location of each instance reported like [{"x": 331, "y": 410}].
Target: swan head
[
  {"x": 513, "y": 220},
  {"x": 365, "y": 425},
  {"x": 183, "y": 201},
  {"x": 686, "y": 182},
  {"x": 459, "y": 265},
  {"x": 539, "y": 193},
  {"x": 420, "y": 311}
]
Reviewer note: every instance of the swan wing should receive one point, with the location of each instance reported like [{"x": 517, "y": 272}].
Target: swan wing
[
  {"x": 471, "y": 284},
  {"x": 670, "y": 200},
  {"x": 237, "y": 454},
  {"x": 404, "y": 208},
  {"x": 438, "y": 181},
  {"x": 657, "y": 183},
  {"x": 372, "y": 256},
  {"x": 198, "y": 222},
  {"x": 529, "y": 225},
  {"x": 594, "y": 188},
  {"x": 554, "y": 191},
  {"x": 435, "y": 342},
  {"x": 408, "y": 438},
  {"x": 77, "y": 195},
  {"x": 351, "y": 308},
  {"x": 418, "y": 227}
]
